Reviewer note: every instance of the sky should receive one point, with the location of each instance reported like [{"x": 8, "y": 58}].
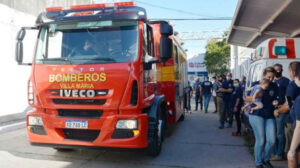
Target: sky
[{"x": 201, "y": 8}]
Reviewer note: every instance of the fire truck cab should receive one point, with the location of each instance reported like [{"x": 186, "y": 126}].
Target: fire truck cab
[{"x": 103, "y": 75}]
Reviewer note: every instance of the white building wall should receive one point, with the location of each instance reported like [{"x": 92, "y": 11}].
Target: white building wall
[
  {"x": 240, "y": 60},
  {"x": 196, "y": 68},
  {"x": 15, "y": 14},
  {"x": 13, "y": 77}
]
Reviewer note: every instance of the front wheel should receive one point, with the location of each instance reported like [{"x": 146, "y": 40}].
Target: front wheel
[{"x": 156, "y": 132}]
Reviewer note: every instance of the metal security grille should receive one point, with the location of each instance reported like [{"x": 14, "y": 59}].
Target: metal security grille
[
  {"x": 75, "y": 113},
  {"x": 81, "y": 135}
]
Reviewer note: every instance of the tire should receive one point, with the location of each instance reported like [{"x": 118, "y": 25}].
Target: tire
[{"x": 157, "y": 129}]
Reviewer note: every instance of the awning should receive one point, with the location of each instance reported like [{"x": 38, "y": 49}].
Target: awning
[{"x": 257, "y": 20}]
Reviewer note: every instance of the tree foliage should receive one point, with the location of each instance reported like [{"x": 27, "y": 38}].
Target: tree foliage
[{"x": 217, "y": 57}]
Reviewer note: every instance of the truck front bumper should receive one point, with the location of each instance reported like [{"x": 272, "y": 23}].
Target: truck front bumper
[{"x": 101, "y": 132}]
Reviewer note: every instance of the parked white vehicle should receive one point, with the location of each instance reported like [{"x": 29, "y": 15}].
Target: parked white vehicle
[{"x": 270, "y": 52}]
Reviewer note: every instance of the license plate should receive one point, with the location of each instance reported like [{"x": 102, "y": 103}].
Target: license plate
[{"x": 77, "y": 124}]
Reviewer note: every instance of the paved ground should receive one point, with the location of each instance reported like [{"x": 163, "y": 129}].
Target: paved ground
[{"x": 196, "y": 142}]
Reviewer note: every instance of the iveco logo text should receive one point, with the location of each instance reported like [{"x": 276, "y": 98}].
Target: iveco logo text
[{"x": 77, "y": 93}]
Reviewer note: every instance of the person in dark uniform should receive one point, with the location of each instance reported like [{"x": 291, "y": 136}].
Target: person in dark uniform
[
  {"x": 198, "y": 98},
  {"x": 227, "y": 88},
  {"x": 206, "y": 89},
  {"x": 282, "y": 83},
  {"x": 292, "y": 92},
  {"x": 214, "y": 93},
  {"x": 236, "y": 103},
  {"x": 243, "y": 83},
  {"x": 295, "y": 115},
  {"x": 263, "y": 122}
]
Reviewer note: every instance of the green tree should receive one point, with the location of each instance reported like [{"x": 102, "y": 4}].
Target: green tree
[{"x": 217, "y": 57}]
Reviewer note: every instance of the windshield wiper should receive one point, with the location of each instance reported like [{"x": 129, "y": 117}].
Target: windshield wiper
[
  {"x": 57, "y": 59},
  {"x": 96, "y": 59}
]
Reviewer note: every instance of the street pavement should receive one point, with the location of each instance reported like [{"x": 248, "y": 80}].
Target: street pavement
[{"x": 193, "y": 143}]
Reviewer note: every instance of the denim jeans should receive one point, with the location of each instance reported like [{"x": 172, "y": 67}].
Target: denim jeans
[
  {"x": 280, "y": 136},
  {"x": 263, "y": 128},
  {"x": 206, "y": 101},
  {"x": 225, "y": 109}
]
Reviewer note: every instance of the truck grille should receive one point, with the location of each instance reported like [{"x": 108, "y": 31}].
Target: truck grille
[
  {"x": 81, "y": 135},
  {"x": 72, "y": 113},
  {"x": 80, "y": 101}
]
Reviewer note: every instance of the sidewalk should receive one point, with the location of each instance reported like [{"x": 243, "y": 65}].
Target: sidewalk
[
  {"x": 237, "y": 147},
  {"x": 13, "y": 121}
]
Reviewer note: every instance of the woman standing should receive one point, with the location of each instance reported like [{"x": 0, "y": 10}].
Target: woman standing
[
  {"x": 236, "y": 104},
  {"x": 263, "y": 123}
]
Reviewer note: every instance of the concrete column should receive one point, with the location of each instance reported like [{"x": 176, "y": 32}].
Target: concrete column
[{"x": 234, "y": 60}]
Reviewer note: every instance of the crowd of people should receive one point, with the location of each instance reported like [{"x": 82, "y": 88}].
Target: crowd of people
[{"x": 273, "y": 104}]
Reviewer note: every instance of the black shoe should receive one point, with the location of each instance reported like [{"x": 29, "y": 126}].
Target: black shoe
[
  {"x": 260, "y": 166},
  {"x": 205, "y": 111},
  {"x": 267, "y": 164}
]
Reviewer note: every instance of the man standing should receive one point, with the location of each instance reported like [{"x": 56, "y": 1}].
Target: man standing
[
  {"x": 214, "y": 93},
  {"x": 206, "y": 88},
  {"x": 282, "y": 83},
  {"x": 197, "y": 86},
  {"x": 227, "y": 88},
  {"x": 219, "y": 96}
]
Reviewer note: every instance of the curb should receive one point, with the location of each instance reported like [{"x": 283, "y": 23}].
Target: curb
[
  {"x": 11, "y": 127},
  {"x": 13, "y": 117}
]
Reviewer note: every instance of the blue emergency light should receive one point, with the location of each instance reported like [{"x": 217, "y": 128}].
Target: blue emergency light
[{"x": 280, "y": 50}]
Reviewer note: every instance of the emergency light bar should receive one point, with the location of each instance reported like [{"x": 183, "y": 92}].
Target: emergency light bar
[
  {"x": 92, "y": 6},
  {"x": 280, "y": 50}
]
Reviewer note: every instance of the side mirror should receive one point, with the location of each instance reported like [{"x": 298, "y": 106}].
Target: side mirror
[
  {"x": 19, "y": 47},
  {"x": 166, "y": 29},
  {"x": 21, "y": 34},
  {"x": 19, "y": 52},
  {"x": 166, "y": 48}
]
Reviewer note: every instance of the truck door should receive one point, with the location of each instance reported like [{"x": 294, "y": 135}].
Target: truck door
[{"x": 148, "y": 54}]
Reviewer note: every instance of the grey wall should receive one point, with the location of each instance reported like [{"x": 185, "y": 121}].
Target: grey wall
[{"x": 34, "y": 7}]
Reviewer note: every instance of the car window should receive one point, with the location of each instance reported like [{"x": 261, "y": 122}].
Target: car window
[{"x": 257, "y": 72}]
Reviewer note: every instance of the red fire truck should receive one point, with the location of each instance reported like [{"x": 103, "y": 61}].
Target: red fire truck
[{"x": 103, "y": 75}]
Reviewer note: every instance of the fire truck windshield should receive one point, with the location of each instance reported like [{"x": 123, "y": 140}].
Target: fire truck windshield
[{"x": 94, "y": 42}]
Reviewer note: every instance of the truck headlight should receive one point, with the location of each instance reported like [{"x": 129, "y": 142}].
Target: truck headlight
[
  {"x": 35, "y": 120},
  {"x": 127, "y": 124}
]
